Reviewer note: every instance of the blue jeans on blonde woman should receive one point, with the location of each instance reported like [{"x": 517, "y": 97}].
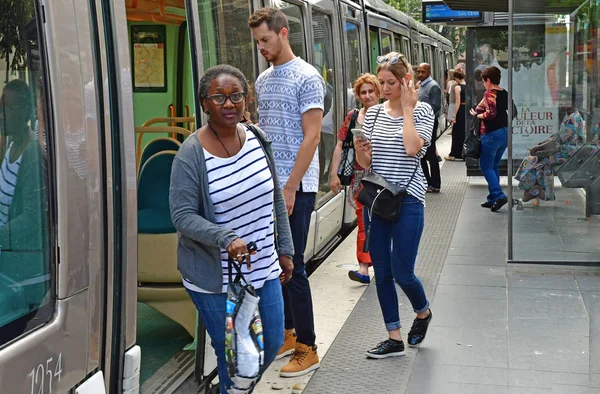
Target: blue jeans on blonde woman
[
  {"x": 394, "y": 247},
  {"x": 212, "y": 310}
]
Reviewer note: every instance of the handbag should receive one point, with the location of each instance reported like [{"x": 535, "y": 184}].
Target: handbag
[
  {"x": 382, "y": 198},
  {"x": 472, "y": 144},
  {"x": 545, "y": 149},
  {"x": 244, "y": 343},
  {"x": 347, "y": 162}
]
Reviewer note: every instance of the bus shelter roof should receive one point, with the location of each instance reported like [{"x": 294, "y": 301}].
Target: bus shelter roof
[{"x": 534, "y": 7}]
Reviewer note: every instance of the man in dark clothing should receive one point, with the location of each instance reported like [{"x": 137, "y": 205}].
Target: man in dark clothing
[{"x": 430, "y": 93}]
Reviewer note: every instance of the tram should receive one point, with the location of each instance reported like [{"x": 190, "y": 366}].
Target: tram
[{"x": 96, "y": 95}]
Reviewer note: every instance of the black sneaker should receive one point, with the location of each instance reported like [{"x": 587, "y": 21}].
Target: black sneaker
[
  {"x": 486, "y": 204},
  {"x": 418, "y": 330},
  {"x": 388, "y": 348},
  {"x": 499, "y": 203}
]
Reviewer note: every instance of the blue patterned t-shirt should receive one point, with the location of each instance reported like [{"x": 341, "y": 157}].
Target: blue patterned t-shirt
[{"x": 284, "y": 93}]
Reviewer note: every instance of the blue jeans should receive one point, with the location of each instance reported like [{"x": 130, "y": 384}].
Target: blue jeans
[
  {"x": 394, "y": 247},
  {"x": 212, "y": 310},
  {"x": 493, "y": 145},
  {"x": 297, "y": 298}
]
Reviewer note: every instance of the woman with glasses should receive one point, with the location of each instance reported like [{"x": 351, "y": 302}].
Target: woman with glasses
[
  {"x": 225, "y": 194},
  {"x": 367, "y": 89},
  {"x": 397, "y": 134}
]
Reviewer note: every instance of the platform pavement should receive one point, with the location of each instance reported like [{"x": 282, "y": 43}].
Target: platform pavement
[{"x": 497, "y": 328}]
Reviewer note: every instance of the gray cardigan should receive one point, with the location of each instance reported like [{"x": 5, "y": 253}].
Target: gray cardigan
[{"x": 192, "y": 212}]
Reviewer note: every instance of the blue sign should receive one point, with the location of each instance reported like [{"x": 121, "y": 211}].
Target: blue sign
[{"x": 438, "y": 12}]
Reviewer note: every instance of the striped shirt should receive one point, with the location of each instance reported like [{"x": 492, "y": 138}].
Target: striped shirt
[
  {"x": 284, "y": 93},
  {"x": 241, "y": 189},
  {"x": 8, "y": 181},
  {"x": 388, "y": 157}
]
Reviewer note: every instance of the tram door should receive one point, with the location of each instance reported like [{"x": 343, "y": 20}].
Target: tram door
[{"x": 164, "y": 72}]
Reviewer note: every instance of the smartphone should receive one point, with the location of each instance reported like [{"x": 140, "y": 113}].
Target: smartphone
[{"x": 358, "y": 133}]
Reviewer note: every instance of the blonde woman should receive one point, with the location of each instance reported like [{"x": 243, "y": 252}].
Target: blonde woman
[{"x": 397, "y": 134}]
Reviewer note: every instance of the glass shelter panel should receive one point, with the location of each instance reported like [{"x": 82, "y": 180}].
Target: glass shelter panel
[
  {"x": 323, "y": 61},
  {"x": 555, "y": 137}
]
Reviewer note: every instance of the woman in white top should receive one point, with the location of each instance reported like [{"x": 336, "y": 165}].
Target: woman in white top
[
  {"x": 223, "y": 182},
  {"x": 397, "y": 133}
]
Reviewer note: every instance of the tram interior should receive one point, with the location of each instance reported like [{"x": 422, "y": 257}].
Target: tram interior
[{"x": 163, "y": 101}]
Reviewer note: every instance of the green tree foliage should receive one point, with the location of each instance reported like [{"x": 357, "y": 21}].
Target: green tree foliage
[
  {"x": 410, "y": 7},
  {"x": 13, "y": 18}
]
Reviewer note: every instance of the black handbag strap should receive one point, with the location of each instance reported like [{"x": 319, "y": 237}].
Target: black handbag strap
[{"x": 349, "y": 136}]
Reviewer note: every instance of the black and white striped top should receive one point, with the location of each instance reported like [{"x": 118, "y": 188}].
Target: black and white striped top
[
  {"x": 241, "y": 188},
  {"x": 8, "y": 182},
  {"x": 389, "y": 157}
]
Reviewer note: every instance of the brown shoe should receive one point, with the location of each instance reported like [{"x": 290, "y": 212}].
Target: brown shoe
[
  {"x": 305, "y": 359},
  {"x": 289, "y": 344}
]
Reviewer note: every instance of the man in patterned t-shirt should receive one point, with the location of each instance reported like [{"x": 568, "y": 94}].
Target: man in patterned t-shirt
[{"x": 290, "y": 96}]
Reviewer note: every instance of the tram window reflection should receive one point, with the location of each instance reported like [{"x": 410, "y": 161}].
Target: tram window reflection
[{"x": 25, "y": 263}]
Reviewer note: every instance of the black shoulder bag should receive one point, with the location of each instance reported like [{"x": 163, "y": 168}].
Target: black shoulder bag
[
  {"x": 472, "y": 144},
  {"x": 347, "y": 162},
  {"x": 382, "y": 197}
]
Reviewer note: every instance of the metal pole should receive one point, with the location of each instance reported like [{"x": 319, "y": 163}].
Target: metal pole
[{"x": 510, "y": 128}]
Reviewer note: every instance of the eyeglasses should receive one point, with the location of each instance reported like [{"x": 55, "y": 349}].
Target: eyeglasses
[
  {"x": 220, "y": 99},
  {"x": 391, "y": 60}
]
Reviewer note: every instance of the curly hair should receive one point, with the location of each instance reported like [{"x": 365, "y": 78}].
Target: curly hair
[
  {"x": 367, "y": 78},
  {"x": 215, "y": 72}
]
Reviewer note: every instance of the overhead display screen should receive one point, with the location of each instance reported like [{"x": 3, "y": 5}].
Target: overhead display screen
[{"x": 438, "y": 12}]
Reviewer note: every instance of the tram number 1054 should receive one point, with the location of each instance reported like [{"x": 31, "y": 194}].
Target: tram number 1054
[{"x": 48, "y": 373}]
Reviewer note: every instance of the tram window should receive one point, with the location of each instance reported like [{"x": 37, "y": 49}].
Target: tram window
[
  {"x": 296, "y": 22},
  {"x": 406, "y": 49},
  {"x": 26, "y": 291},
  {"x": 226, "y": 38},
  {"x": 416, "y": 57},
  {"x": 323, "y": 61},
  {"x": 374, "y": 41},
  {"x": 386, "y": 43},
  {"x": 352, "y": 60}
]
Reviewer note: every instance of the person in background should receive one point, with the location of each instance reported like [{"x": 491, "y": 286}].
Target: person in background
[
  {"x": 536, "y": 172},
  {"x": 430, "y": 93},
  {"x": 450, "y": 82},
  {"x": 21, "y": 171},
  {"x": 290, "y": 96},
  {"x": 458, "y": 118},
  {"x": 224, "y": 194},
  {"x": 493, "y": 111},
  {"x": 367, "y": 89},
  {"x": 397, "y": 133}
]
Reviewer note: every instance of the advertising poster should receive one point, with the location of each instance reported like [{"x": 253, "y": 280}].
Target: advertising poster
[{"x": 532, "y": 125}]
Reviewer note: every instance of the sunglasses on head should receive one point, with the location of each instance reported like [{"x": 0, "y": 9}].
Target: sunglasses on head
[{"x": 391, "y": 60}]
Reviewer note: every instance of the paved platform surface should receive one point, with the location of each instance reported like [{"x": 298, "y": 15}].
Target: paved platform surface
[{"x": 497, "y": 328}]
